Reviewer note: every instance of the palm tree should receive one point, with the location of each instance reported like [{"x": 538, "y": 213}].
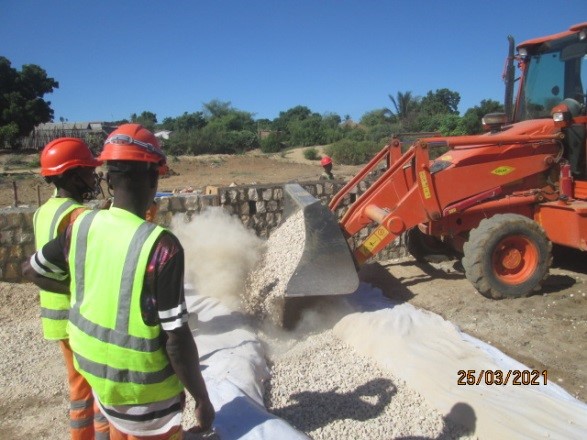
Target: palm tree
[{"x": 404, "y": 104}]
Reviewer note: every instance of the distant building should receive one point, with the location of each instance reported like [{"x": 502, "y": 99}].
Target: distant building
[{"x": 94, "y": 133}]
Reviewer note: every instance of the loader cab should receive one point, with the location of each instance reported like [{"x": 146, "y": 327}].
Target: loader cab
[{"x": 554, "y": 71}]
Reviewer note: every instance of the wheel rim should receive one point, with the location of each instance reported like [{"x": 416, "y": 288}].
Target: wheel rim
[{"x": 515, "y": 259}]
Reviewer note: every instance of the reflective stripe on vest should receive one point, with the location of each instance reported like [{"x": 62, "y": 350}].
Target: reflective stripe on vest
[
  {"x": 105, "y": 316},
  {"x": 54, "y": 306},
  {"x": 123, "y": 376}
]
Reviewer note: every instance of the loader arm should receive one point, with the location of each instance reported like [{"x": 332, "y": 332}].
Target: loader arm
[
  {"x": 409, "y": 193},
  {"x": 391, "y": 153},
  {"x": 400, "y": 196}
]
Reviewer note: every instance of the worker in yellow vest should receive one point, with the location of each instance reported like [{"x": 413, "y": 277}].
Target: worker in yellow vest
[
  {"x": 128, "y": 319},
  {"x": 69, "y": 165}
]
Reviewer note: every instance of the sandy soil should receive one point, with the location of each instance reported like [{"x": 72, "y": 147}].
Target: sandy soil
[
  {"x": 195, "y": 172},
  {"x": 547, "y": 331}
]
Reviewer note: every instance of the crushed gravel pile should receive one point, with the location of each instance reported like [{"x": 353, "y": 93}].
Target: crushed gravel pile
[
  {"x": 325, "y": 389},
  {"x": 318, "y": 384}
]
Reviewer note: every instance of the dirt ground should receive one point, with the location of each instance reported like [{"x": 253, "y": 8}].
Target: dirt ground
[
  {"x": 187, "y": 172},
  {"x": 547, "y": 331}
]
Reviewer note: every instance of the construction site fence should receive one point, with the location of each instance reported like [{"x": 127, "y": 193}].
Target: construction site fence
[{"x": 259, "y": 207}]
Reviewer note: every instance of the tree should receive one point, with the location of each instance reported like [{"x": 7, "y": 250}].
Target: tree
[
  {"x": 185, "y": 122},
  {"x": 331, "y": 127},
  {"x": 21, "y": 100},
  {"x": 442, "y": 101},
  {"x": 403, "y": 105},
  {"x": 298, "y": 113},
  {"x": 375, "y": 117},
  {"x": 471, "y": 121},
  {"x": 307, "y": 132},
  {"x": 216, "y": 108},
  {"x": 146, "y": 119},
  {"x": 331, "y": 120}
]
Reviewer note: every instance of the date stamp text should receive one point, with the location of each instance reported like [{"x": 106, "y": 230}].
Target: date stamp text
[{"x": 502, "y": 377}]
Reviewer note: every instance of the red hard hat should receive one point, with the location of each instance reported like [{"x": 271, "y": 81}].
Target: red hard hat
[
  {"x": 133, "y": 142},
  {"x": 325, "y": 160},
  {"x": 65, "y": 153}
]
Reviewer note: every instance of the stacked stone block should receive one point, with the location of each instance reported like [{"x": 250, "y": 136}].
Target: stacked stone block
[
  {"x": 17, "y": 241},
  {"x": 259, "y": 207}
]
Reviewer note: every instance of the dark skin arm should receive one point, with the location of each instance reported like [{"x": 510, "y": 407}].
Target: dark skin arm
[
  {"x": 183, "y": 356},
  {"x": 42, "y": 282}
]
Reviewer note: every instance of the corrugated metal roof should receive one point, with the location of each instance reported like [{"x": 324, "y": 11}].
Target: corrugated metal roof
[{"x": 50, "y": 126}]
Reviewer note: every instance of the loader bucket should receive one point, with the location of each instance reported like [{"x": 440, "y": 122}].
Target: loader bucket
[{"x": 326, "y": 266}]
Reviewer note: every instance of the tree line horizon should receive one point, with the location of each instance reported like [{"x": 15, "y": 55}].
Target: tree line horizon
[{"x": 220, "y": 128}]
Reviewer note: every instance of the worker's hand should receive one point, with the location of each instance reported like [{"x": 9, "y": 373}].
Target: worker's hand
[
  {"x": 105, "y": 204},
  {"x": 205, "y": 415}
]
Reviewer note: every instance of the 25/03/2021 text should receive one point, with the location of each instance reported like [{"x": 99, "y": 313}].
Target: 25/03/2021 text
[{"x": 502, "y": 377}]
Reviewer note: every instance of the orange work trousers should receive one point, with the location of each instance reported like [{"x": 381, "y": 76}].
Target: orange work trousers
[{"x": 86, "y": 422}]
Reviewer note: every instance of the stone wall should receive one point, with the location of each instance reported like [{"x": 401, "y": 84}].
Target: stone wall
[
  {"x": 17, "y": 241},
  {"x": 259, "y": 207}
]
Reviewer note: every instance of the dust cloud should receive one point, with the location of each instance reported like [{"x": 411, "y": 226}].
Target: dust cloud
[
  {"x": 226, "y": 261},
  {"x": 220, "y": 253}
]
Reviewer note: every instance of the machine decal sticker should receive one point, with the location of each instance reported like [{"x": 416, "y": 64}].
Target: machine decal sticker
[
  {"x": 425, "y": 187},
  {"x": 375, "y": 238},
  {"x": 503, "y": 170}
]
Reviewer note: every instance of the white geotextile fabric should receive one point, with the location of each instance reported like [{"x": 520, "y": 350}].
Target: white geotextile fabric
[
  {"x": 427, "y": 352},
  {"x": 234, "y": 368},
  {"x": 419, "y": 347}
]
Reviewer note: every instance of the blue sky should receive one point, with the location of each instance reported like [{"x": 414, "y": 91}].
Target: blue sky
[{"x": 115, "y": 58}]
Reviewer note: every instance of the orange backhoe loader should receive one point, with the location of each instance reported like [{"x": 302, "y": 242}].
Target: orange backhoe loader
[{"x": 499, "y": 199}]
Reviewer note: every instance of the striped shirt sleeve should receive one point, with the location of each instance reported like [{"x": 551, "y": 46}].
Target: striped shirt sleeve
[
  {"x": 46, "y": 268},
  {"x": 163, "y": 300},
  {"x": 51, "y": 260}
]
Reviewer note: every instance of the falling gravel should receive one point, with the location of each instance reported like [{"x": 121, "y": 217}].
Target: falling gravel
[{"x": 267, "y": 284}]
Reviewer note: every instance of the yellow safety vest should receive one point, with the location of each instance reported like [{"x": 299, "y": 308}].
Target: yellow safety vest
[
  {"x": 119, "y": 355},
  {"x": 54, "y": 306}
]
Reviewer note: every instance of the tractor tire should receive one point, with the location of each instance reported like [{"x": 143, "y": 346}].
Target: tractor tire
[
  {"x": 507, "y": 256},
  {"x": 420, "y": 245}
]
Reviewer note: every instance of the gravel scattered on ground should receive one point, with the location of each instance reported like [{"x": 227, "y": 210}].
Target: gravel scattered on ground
[
  {"x": 323, "y": 388},
  {"x": 33, "y": 382}
]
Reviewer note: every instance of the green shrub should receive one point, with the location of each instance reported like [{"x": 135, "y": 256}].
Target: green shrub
[
  {"x": 271, "y": 144},
  {"x": 355, "y": 134},
  {"x": 347, "y": 152},
  {"x": 9, "y": 135},
  {"x": 311, "y": 153},
  {"x": 378, "y": 132}
]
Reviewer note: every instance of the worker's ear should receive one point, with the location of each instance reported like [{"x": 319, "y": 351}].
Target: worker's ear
[
  {"x": 108, "y": 180},
  {"x": 153, "y": 178}
]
